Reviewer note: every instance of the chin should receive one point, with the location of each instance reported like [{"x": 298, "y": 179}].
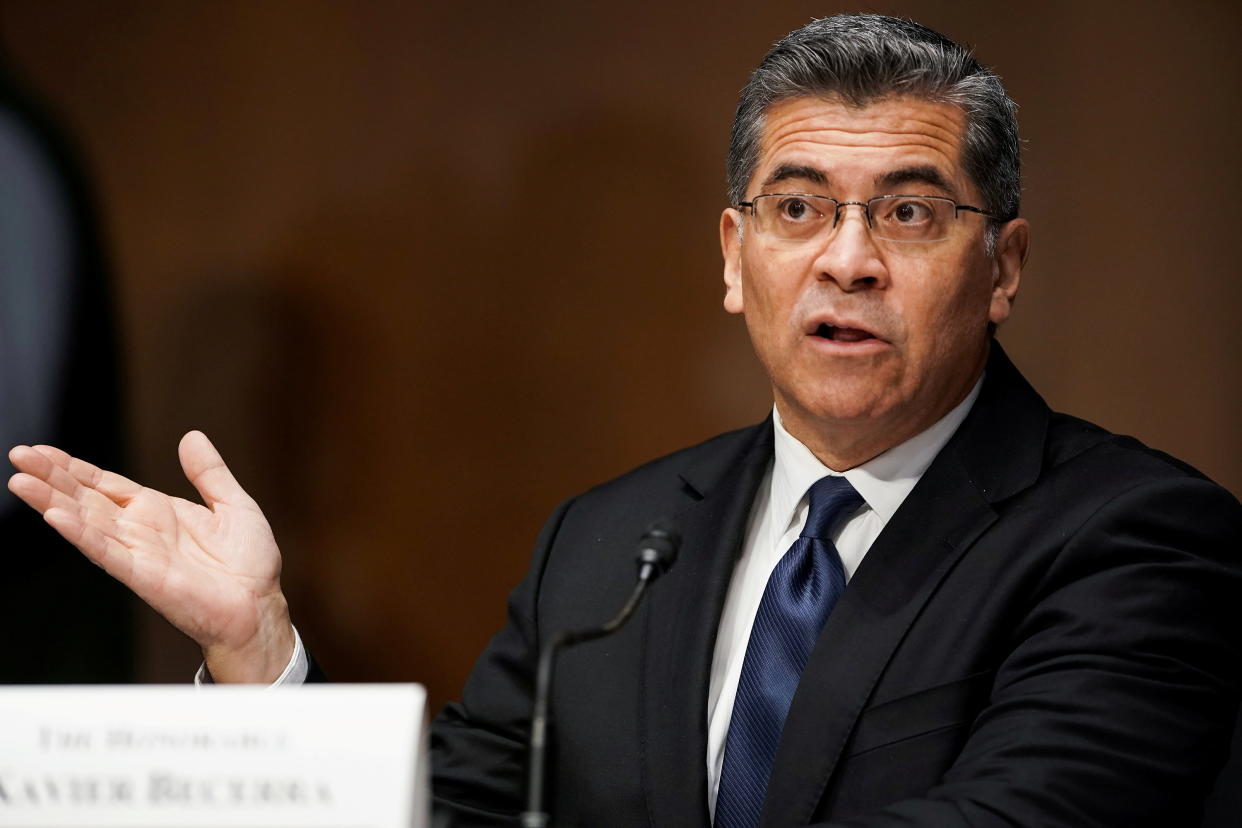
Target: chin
[{"x": 844, "y": 406}]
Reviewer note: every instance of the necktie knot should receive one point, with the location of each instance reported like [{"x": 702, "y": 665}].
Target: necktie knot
[{"x": 832, "y": 498}]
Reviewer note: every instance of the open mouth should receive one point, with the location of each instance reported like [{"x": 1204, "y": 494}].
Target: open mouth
[{"x": 837, "y": 333}]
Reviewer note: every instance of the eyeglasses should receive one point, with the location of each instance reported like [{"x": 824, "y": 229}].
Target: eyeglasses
[{"x": 798, "y": 217}]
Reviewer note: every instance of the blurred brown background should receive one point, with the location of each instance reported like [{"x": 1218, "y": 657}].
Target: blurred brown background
[{"x": 424, "y": 269}]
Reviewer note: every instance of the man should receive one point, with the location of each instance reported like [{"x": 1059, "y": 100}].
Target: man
[{"x": 1040, "y": 623}]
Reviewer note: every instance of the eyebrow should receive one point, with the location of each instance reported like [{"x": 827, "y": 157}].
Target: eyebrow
[
  {"x": 787, "y": 171},
  {"x": 919, "y": 174},
  {"x": 923, "y": 174}
]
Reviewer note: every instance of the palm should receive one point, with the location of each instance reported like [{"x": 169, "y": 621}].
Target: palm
[
  {"x": 213, "y": 571},
  {"x": 200, "y": 569}
]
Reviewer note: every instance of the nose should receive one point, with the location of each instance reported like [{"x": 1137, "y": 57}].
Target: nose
[{"x": 848, "y": 255}]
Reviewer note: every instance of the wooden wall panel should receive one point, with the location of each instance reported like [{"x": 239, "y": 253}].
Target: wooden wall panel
[{"x": 423, "y": 270}]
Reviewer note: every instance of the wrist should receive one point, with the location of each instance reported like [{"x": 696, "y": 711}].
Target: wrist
[{"x": 261, "y": 659}]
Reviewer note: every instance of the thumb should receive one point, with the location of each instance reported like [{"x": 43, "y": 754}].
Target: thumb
[{"x": 204, "y": 467}]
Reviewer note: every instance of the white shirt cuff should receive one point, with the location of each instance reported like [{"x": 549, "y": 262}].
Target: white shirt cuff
[{"x": 294, "y": 673}]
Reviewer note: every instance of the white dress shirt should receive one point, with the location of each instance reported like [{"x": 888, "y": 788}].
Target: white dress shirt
[
  {"x": 294, "y": 673},
  {"x": 776, "y": 520}
]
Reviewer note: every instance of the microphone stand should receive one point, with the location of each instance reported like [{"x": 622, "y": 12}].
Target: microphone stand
[{"x": 657, "y": 552}]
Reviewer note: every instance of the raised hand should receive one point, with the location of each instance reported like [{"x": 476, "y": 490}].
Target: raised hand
[{"x": 212, "y": 570}]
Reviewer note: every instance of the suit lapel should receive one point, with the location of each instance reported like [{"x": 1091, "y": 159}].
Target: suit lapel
[
  {"x": 680, "y": 631},
  {"x": 995, "y": 453},
  {"x": 898, "y": 574}
]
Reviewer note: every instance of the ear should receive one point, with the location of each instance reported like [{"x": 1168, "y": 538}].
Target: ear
[
  {"x": 1013, "y": 244},
  {"x": 731, "y": 248}
]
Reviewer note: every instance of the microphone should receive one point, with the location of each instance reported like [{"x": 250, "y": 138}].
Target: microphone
[{"x": 657, "y": 551}]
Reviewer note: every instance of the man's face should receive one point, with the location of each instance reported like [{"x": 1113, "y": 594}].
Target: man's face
[{"x": 867, "y": 342}]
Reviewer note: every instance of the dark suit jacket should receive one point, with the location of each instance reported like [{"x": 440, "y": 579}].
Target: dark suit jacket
[{"x": 1046, "y": 633}]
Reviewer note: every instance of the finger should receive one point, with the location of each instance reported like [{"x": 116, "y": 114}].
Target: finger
[
  {"x": 25, "y": 458},
  {"x": 109, "y": 496},
  {"x": 115, "y": 487},
  {"x": 40, "y": 496},
  {"x": 58, "y": 456},
  {"x": 205, "y": 469},
  {"x": 99, "y": 548},
  {"x": 35, "y": 461},
  {"x": 44, "y": 463},
  {"x": 112, "y": 485},
  {"x": 43, "y": 460},
  {"x": 44, "y": 498},
  {"x": 34, "y": 492},
  {"x": 106, "y": 539}
]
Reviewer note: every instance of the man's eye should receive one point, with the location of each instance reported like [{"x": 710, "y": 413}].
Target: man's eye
[
  {"x": 910, "y": 212},
  {"x": 797, "y": 209}
]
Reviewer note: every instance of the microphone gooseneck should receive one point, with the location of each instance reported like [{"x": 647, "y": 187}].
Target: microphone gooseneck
[{"x": 657, "y": 551}]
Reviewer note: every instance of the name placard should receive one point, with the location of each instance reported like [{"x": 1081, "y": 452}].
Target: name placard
[{"x": 315, "y": 756}]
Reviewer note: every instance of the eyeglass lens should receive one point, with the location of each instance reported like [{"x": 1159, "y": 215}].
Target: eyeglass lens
[{"x": 900, "y": 218}]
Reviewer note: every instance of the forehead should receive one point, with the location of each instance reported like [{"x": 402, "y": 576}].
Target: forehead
[{"x": 851, "y": 145}]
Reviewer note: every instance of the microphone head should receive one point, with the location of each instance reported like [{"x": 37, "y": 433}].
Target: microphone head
[{"x": 657, "y": 550}]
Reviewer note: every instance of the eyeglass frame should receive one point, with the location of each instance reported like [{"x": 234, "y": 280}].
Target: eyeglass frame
[{"x": 866, "y": 208}]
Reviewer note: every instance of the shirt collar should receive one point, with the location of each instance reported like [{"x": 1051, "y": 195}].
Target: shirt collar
[{"x": 884, "y": 481}]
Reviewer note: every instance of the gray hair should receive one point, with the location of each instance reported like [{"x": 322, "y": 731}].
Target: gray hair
[{"x": 865, "y": 57}]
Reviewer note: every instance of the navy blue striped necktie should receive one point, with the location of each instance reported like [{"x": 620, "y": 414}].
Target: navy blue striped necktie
[{"x": 801, "y": 591}]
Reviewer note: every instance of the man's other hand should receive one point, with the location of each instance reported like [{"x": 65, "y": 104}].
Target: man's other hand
[{"x": 213, "y": 570}]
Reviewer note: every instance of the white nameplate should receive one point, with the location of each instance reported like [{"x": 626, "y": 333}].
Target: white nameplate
[{"x": 345, "y": 756}]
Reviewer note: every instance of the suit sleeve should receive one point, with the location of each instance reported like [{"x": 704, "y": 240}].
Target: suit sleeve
[
  {"x": 1116, "y": 697},
  {"x": 478, "y": 745}
]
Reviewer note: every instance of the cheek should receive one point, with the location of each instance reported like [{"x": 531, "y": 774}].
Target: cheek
[
  {"x": 944, "y": 315},
  {"x": 769, "y": 297}
]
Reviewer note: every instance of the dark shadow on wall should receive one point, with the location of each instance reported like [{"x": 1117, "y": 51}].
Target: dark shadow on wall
[
  {"x": 65, "y": 619},
  {"x": 246, "y": 364},
  {"x": 410, "y": 382}
]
